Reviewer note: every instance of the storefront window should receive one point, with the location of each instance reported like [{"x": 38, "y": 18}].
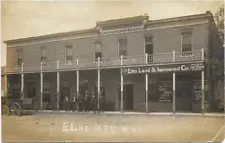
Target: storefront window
[
  {"x": 153, "y": 92},
  {"x": 31, "y": 89},
  {"x": 197, "y": 91},
  {"x": 83, "y": 86},
  {"x": 16, "y": 92},
  {"x": 160, "y": 92}
]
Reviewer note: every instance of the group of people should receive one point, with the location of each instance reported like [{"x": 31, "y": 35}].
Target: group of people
[{"x": 85, "y": 103}]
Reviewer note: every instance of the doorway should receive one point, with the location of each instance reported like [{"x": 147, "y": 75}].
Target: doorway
[
  {"x": 128, "y": 99},
  {"x": 184, "y": 96}
]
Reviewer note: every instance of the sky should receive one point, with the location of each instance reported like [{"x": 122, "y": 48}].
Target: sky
[{"x": 20, "y": 19}]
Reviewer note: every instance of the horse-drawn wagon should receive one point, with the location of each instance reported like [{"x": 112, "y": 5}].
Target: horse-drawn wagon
[{"x": 16, "y": 106}]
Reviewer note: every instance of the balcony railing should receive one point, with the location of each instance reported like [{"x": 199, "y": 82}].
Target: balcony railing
[
  {"x": 112, "y": 62},
  {"x": 15, "y": 69},
  {"x": 188, "y": 56},
  {"x": 49, "y": 66},
  {"x": 160, "y": 58},
  {"x": 134, "y": 60},
  {"x": 31, "y": 68}
]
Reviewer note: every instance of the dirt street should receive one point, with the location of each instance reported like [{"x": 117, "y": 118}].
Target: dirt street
[{"x": 74, "y": 127}]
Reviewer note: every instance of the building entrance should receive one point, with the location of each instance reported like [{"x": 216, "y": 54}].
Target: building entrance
[
  {"x": 127, "y": 96},
  {"x": 184, "y": 96}
]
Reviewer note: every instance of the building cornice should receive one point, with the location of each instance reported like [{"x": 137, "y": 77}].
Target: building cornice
[
  {"x": 94, "y": 32},
  {"x": 122, "y": 21}
]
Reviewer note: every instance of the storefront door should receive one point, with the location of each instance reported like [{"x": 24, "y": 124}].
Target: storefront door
[
  {"x": 127, "y": 96},
  {"x": 184, "y": 96}
]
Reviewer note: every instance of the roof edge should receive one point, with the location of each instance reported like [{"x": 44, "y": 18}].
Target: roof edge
[
  {"x": 51, "y": 35},
  {"x": 206, "y": 14}
]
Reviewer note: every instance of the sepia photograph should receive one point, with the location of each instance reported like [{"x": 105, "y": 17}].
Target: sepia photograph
[{"x": 112, "y": 71}]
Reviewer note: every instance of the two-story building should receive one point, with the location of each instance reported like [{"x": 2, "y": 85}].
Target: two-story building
[{"x": 136, "y": 63}]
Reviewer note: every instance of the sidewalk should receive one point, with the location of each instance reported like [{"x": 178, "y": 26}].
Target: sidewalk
[{"x": 134, "y": 113}]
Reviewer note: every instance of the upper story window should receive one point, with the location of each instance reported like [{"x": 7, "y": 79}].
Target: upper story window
[
  {"x": 98, "y": 50},
  {"x": 19, "y": 57},
  {"x": 149, "y": 45},
  {"x": 123, "y": 47},
  {"x": 69, "y": 54},
  {"x": 186, "y": 43},
  {"x": 43, "y": 55},
  {"x": 149, "y": 48}
]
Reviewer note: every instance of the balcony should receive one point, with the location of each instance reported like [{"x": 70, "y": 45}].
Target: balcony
[{"x": 116, "y": 62}]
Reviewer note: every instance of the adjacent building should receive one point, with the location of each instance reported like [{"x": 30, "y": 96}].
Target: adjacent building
[
  {"x": 3, "y": 83},
  {"x": 138, "y": 64}
]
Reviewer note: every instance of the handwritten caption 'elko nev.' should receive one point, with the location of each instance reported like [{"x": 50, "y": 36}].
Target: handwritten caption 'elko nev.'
[{"x": 103, "y": 128}]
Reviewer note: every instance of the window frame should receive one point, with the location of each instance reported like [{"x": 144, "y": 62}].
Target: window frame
[
  {"x": 68, "y": 57},
  {"x": 43, "y": 57},
  {"x": 19, "y": 59},
  {"x": 97, "y": 52},
  {"x": 150, "y": 57},
  {"x": 119, "y": 49},
  {"x": 182, "y": 53}
]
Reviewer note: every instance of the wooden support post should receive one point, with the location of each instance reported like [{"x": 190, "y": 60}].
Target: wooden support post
[
  {"x": 203, "y": 92},
  {"x": 98, "y": 83},
  {"x": 174, "y": 86},
  {"x": 203, "y": 85},
  {"x": 146, "y": 85},
  {"x": 174, "y": 93},
  {"x": 78, "y": 79},
  {"x": 41, "y": 82},
  {"x": 121, "y": 85},
  {"x": 22, "y": 83},
  {"x": 58, "y": 85}
]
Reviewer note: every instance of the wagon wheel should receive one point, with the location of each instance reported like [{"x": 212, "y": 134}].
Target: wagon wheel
[
  {"x": 15, "y": 109},
  {"x": 5, "y": 110}
]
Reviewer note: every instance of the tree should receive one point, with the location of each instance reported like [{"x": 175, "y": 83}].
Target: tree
[
  {"x": 219, "y": 19},
  {"x": 217, "y": 64}
]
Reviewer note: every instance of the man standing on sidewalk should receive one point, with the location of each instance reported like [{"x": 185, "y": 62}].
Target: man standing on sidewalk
[
  {"x": 94, "y": 102},
  {"x": 74, "y": 101},
  {"x": 66, "y": 103}
]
